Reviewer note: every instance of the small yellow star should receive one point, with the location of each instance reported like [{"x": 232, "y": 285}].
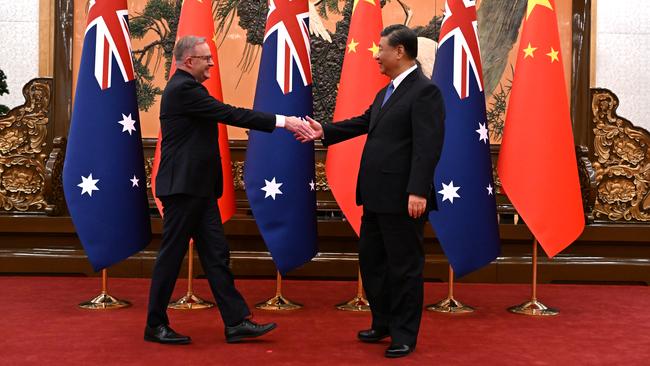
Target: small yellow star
[
  {"x": 528, "y": 51},
  {"x": 374, "y": 49},
  {"x": 553, "y": 55},
  {"x": 533, "y": 3},
  {"x": 352, "y": 47}
]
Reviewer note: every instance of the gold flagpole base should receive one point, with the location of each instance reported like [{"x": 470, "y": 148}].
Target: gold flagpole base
[
  {"x": 278, "y": 303},
  {"x": 533, "y": 307},
  {"x": 359, "y": 303},
  {"x": 451, "y": 306},
  {"x": 190, "y": 302},
  {"x": 104, "y": 301}
]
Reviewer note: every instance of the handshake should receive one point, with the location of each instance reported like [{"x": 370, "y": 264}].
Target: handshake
[{"x": 304, "y": 130}]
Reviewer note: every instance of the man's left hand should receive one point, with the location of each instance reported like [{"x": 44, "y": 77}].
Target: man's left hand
[{"x": 417, "y": 205}]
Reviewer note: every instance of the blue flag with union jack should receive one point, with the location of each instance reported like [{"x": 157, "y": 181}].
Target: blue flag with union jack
[
  {"x": 279, "y": 171},
  {"x": 466, "y": 220},
  {"x": 104, "y": 180}
]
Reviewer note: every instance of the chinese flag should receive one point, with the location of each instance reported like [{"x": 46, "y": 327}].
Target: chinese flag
[
  {"x": 360, "y": 82},
  {"x": 196, "y": 20},
  {"x": 537, "y": 163}
]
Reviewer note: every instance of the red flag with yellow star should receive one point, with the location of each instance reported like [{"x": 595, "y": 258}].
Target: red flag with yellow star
[
  {"x": 360, "y": 81},
  {"x": 537, "y": 163},
  {"x": 196, "y": 19}
]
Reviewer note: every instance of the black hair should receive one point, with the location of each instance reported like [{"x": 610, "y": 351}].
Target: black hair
[{"x": 399, "y": 34}]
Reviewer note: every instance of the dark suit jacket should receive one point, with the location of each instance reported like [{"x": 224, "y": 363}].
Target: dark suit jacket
[
  {"x": 190, "y": 161},
  {"x": 402, "y": 148}
]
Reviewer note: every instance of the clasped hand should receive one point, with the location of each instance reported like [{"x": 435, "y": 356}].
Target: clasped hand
[{"x": 304, "y": 130}]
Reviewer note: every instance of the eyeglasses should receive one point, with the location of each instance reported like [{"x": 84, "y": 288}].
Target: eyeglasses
[{"x": 207, "y": 58}]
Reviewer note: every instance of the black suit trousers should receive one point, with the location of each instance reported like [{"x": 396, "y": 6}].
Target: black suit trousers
[
  {"x": 391, "y": 259},
  {"x": 186, "y": 217}
]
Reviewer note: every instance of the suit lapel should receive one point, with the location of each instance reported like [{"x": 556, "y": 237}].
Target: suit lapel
[{"x": 403, "y": 87}]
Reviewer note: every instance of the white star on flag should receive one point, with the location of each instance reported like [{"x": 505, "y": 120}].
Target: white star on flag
[
  {"x": 88, "y": 185},
  {"x": 128, "y": 123},
  {"x": 448, "y": 192},
  {"x": 483, "y": 132},
  {"x": 135, "y": 181},
  {"x": 312, "y": 185},
  {"x": 271, "y": 188},
  {"x": 489, "y": 189}
]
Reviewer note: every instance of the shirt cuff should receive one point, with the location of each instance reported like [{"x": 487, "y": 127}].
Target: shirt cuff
[{"x": 280, "y": 120}]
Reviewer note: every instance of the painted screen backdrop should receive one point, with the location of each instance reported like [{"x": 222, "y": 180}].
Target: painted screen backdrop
[{"x": 239, "y": 86}]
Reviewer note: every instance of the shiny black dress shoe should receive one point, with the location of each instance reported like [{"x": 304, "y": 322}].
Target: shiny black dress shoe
[
  {"x": 165, "y": 335},
  {"x": 372, "y": 335},
  {"x": 247, "y": 329},
  {"x": 398, "y": 350}
]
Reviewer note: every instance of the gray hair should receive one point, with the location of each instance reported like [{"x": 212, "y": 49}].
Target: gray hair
[{"x": 184, "y": 44}]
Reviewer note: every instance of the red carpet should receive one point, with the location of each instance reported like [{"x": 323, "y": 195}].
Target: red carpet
[{"x": 598, "y": 325}]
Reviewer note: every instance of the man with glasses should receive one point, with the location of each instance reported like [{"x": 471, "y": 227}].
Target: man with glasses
[{"x": 189, "y": 182}]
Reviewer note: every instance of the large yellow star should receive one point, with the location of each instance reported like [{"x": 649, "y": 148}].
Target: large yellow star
[
  {"x": 553, "y": 55},
  {"x": 354, "y": 6},
  {"x": 374, "y": 49},
  {"x": 528, "y": 51},
  {"x": 352, "y": 46},
  {"x": 533, "y": 3}
]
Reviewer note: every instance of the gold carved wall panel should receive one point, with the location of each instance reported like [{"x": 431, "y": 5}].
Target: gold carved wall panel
[
  {"x": 622, "y": 166},
  {"x": 23, "y": 134}
]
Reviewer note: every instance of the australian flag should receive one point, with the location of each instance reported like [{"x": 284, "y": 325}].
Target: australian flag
[
  {"x": 466, "y": 220},
  {"x": 279, "y": 171},
  {"x": 103, "y": 175}
]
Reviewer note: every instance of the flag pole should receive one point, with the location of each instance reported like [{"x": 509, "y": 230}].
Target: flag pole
[
  {"x": 359, "y": 302},
  {"x": 190, "y": 301},
  {"x": 533, "y": 307},
  {"x": 450, "y": 305},
  {"x": 278, "y": 302},
  {"x": 104, "y": 301}
]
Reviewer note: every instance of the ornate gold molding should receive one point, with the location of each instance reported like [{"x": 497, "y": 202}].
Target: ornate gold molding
[
  {"x": 148, "y": 167},
  {"x": 238, "y": 176},
  {"x": 321, "y": 177},
  {"x": 23, "y": 133},
  {"x": 622, "y": 166}
]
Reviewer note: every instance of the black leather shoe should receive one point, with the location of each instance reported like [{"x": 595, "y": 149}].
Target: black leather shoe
[
  {"x": 165, "y": 335},
  {"x": 247, "y": 329},
  {"x": 396, "y": 350},
  {"x": 372, "y": 335}
]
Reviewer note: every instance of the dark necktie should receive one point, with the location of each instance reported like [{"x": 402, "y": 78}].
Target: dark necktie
[{"x": 389, "y": 92}]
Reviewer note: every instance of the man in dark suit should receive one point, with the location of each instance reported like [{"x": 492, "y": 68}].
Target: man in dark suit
[
  {"x": 188, "y": 183},
  {"x": 405, "y": 127}
]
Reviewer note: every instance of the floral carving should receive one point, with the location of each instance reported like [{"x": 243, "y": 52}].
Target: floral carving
[
  {"x": 23, "y": 133},
  {"x": 622, "y": 167}
]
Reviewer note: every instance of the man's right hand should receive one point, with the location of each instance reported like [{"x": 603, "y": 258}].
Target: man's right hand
[
  {"x": 316, "y": 128},
  {"x": 299, "y": 127}
]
